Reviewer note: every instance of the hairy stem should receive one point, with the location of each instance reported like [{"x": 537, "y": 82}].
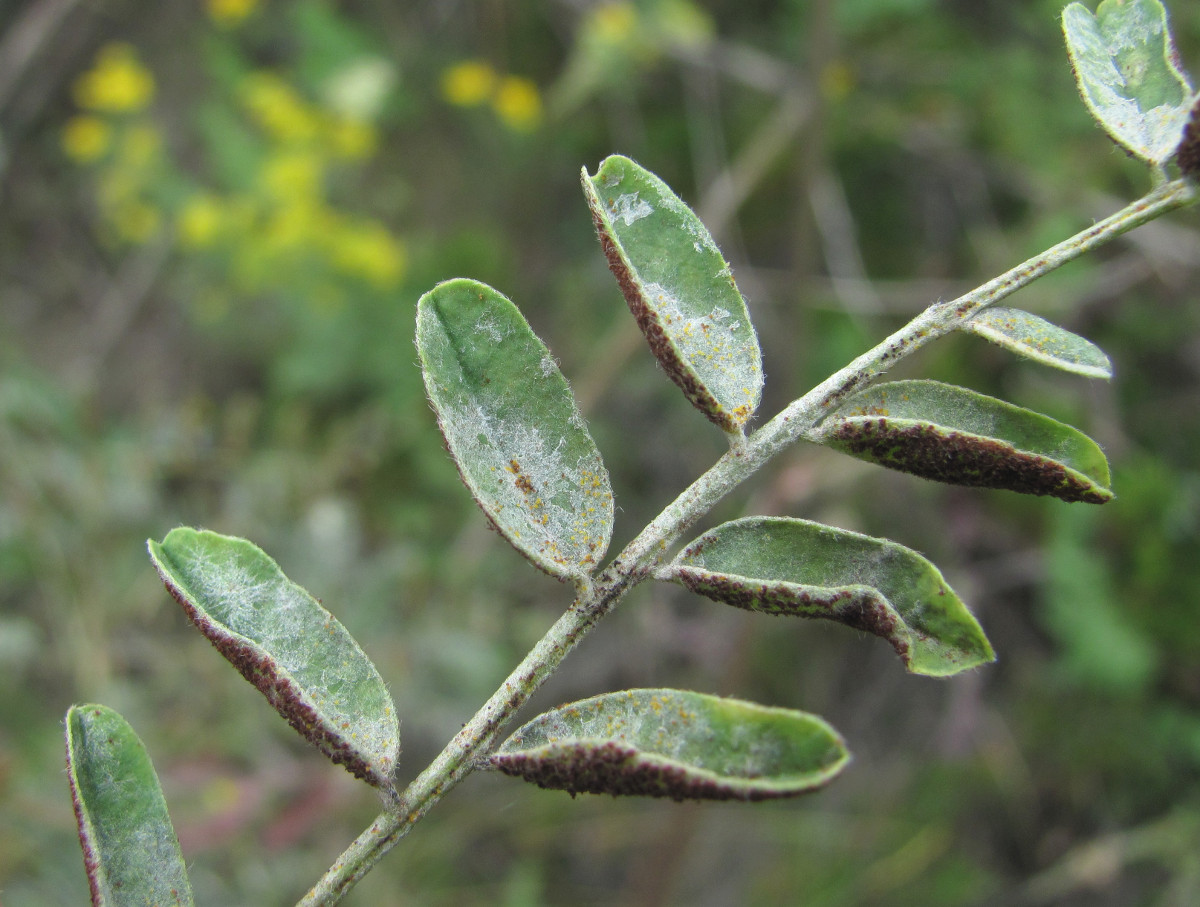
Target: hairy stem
[{"x": 799, "y": 420}]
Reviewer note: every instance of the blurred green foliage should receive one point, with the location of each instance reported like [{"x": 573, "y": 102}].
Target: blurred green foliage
[{"x": 215, "y": 220}]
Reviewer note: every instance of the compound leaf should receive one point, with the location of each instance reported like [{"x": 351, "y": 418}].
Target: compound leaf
[
  {"x": 1129, "y": 74},
  {"x": 795, "y": 567},
  {"x": 1036, "y": 338},
  {"x": 950, "y": 434},
  {"x": 295, "y": 652},
  {"x": 677, "y": 744},
  {"x": 680, "y": 290},
  {"x": 129, "y": 847},
  {"x": 512, "y": 426}
]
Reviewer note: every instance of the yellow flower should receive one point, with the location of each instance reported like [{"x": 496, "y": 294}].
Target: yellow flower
[
  {"x": 369, "y": 250},
  {"x": 352, "y": 138},
  {"x": 293, "y": 176},
  {"x": 230, "y": 13},
  {"x": 135, "y": 221},
  {"x": 278, "y": 109},
  {"x": 85, "y": 138},
  {"x": 468, "y": 83},
  {"x": 611, "y": 23},
  {"x": 199, "y": 221},
  {"x": 518, "y": 103},
  {"x": 117, "y": 83},
  {"x": 140, "y": 145}
]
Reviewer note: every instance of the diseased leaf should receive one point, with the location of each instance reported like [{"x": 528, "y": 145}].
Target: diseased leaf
[
  {"x": 950, "y": 434},
  {"x": 789, "y": 566},
  {"x": 129, "y": 847},
  {"x": 281, "y": 640},
  {"x": 1129, "y": 74},
  {"x": 680, "y": 290},
  {"x": 1187, "y": 155},
  {"x": 1038, "y": 339},
  {"x": 512, "y": 426},
  {"x": 671, "y": 743}
]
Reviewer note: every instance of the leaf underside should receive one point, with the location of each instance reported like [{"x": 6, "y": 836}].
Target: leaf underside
[
  {"x": 677, "y": 744},
  {"x": 129, "y": 846},
  {"x": 679, "y": 288},
  {"x": 513, "y": 429},
  {"x": 1129, "y": 74},
  {"x": 795, "y": 567},
  {"x": 284, "y": 642},
  {"x": 954, "y": 435},
  {"x": 1040, "y": 340}
]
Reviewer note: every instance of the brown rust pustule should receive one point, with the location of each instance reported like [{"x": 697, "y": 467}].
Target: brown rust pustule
[
  {"x": 861, "y": 609},
  {"x": 959, "y": 458},
  {"x": 652, "y": 329},
  {"x": 611, "y": 768},
  {"x": 1187, "y": 155},
  {"x": 281, "y": 692}
]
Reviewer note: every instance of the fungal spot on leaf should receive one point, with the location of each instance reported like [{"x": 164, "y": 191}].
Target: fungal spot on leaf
[{"x": 961, "y": 459}]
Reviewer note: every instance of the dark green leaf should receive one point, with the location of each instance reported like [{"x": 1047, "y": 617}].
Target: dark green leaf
[
  {"x": 281, "y": 640},
  {"x": 1038, "y": 339},
  {"x": 512, "y": 426},
  {"x": 787, "y": 566},
  {"x": 679, "y": 288},
  {"x": 1129, "y": 74},
  {"x": 671, "y": 743},
  {"x": 129, "y": 847},
  {"x": 950, "y": 434}
]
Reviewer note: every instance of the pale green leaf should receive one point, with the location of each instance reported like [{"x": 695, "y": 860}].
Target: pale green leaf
[
  {"x": 281, "y": 640},
  {"x": 129, "y": 847},
  {"x": 512, "y": 426},
  {"x": 951, "y": 434},
  {"x": 1129, "y": 74},
  {"x": 680, "y": 290},
  {"x": 795, "y": 567},
  {"x": 671, "y": 743},
  {"x": 1038, "y": 339}
]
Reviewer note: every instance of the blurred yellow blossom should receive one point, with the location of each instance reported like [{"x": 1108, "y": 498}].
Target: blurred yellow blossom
[
  {"x": 199, "y": 221},
  {"x": 468, "y": 83},
  {"x": 135, "y": 220},
  {"x": 85, "y": 138},
  {"x": 117, "y": 83},
  {"x": 351, "y": 138},
  {"x": 518, "y": 103},
  {"x": 612, "y": 23},
  {"x": 140, "y": 145},
  {"x": 278, "y": 108},
  {"x": 229, "y": 13},
  {"x": 293, "y": 176},
  {"x": 367, "y": 249}
]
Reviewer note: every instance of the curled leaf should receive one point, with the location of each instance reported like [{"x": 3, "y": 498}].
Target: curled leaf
[
  {"x": 1129, "y": 74},
  {"x": 129, "y": 846},
  {"x": 1038, "y": 339},
  {"x": 950, "y": 434},
  {"x": 295, "y": 652},
  {"x": 512, "y": 426},
  {"x": 677, "y": 744},
  {"x": 680, "y": 290},
  {"x": 796, "y": 567}
]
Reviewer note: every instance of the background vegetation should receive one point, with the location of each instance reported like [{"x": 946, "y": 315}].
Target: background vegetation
[{"x": 215, "y": 220}]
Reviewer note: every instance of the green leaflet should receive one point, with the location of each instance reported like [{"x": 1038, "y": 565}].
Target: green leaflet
[
  {"x": 1038, "y": 339},
  {"x": 951, "y": 434},
  {"x": 1129, "y": 74},
  {"x": 680, "y": 290},
  {"x": 671, "y": 743},
  {"x": 789, "y": 566},
  {"x": 512, "y": 426},
  {"x": 281, "y": 640},
  {"x": 129, "y": 847}
]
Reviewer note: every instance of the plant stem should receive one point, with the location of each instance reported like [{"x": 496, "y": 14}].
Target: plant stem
[{"x": 596, "y": 598}]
